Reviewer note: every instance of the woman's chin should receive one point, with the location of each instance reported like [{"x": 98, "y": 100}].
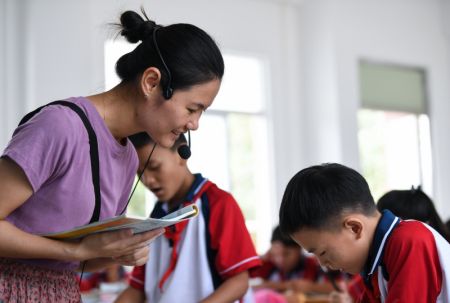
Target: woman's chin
[{"x": 167, "y": 142}]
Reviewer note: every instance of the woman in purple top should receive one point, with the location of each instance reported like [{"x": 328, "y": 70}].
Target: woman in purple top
[{"x": 168, "y": 80}]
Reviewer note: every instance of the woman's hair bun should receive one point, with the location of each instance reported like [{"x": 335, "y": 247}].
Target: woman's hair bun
[{"x": 135, "y": 28}]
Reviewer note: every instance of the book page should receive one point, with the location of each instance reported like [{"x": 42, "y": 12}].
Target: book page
[{"x": 138, "y": 225}]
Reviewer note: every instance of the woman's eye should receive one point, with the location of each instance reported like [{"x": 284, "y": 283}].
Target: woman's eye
[
  {"x": 191, "y": 111},
  {"x": 322, "y": 253}
]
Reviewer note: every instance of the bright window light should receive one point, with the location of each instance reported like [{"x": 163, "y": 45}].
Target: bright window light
[{"x": 395, "y": 150}]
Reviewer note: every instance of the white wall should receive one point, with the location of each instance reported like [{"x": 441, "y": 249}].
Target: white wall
[
  {"x": 12, "y": 64},
  {"x": 52, "y": 49},
  {"x": 336, "y": 35}
]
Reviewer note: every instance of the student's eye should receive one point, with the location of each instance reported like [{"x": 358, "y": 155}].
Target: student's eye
[
  {"x": 191, "y": 111},
  {"x": 322, "y": 253}
]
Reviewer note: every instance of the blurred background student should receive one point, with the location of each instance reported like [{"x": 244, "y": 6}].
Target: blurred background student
[
  {"x": 287, "y": 268},
  {"x": 414, "y": 204},
  {"x": 114, "y": 273}
]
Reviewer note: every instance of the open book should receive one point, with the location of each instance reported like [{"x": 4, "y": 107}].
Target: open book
[{"x": 137, "y": 224}]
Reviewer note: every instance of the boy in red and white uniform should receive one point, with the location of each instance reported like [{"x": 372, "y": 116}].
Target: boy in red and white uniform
[
  {"x": 204, "y": 259},
  {"x": 328, "y": 209}
]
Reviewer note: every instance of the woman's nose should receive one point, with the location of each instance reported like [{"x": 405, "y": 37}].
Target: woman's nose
[{"x": 194, "y": 123}]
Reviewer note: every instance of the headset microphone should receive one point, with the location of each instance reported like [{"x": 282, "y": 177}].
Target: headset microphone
[{"x": 184, "y": 150}]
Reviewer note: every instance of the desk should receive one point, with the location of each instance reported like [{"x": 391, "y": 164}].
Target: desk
[{"x": 293, "y": 297}]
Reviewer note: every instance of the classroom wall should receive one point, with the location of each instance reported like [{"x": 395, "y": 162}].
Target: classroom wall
[
  {"x": 336, "y": 34},
  {"x": 53, "y": 49}
]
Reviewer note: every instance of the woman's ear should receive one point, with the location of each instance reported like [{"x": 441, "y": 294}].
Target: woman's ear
[
  {"x": 150, "y": 79},
  {"x": 354, "y": 225}
]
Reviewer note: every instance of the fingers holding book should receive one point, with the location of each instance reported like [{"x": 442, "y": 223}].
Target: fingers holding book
[
  {"x": 115, "y": 244},
  {"x": 136, "y": 258}
]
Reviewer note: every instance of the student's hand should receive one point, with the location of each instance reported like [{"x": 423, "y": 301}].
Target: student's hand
[
  {"x": 122, "y": 245},
  {"x": 341, "y": 297}
]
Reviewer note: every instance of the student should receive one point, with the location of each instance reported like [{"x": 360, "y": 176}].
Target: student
[
  {"x": 328, "y": 210},
  {"x": 406, "y": 204},
  {"x": 285, "y": 267},
  {"x": 413, "y": 204},
  {"x": 204, "y": 259},
  {"x": 168, "y": 80}
]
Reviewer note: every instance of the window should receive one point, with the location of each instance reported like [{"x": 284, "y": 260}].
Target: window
[
  {"x": 394, "y": 129},
  {"x": 231, "y": 146}
]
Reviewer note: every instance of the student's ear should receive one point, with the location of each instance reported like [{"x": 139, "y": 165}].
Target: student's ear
[
  {"x": 150, "y": 80},
  {"x": 354, "y": 225}
]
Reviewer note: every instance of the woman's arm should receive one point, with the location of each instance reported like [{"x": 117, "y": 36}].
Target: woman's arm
[
  {"x": 231, "y": 289},
  {"x": 15, "y": 243}
]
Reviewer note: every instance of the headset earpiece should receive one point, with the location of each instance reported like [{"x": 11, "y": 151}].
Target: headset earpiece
[{"x": 167, "y": 93}]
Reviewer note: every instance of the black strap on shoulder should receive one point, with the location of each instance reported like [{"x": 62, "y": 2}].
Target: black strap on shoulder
[
  {"x": 93, "y": 150},
  {"x": 217, "y": 280}
]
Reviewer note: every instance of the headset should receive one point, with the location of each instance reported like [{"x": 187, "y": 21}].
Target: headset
[
  {"x": 183, "y": 150},
  {"x": 168, "y": 90}
]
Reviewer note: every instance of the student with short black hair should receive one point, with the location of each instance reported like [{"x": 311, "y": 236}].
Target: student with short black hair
[
  {"x": 328, "y": 210},
  {"x": 70, "y": 163},
  {"x": 204, "y": 259}
]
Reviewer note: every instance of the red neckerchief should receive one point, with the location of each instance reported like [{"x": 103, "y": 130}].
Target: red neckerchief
[{"x": 173, "y": 233}]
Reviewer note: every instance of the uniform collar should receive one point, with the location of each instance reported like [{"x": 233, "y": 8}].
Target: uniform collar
[
  {"x": 161, "y": 208},
  {"x": 383, "y": 230},
  {"x": 198, "y": 183}
]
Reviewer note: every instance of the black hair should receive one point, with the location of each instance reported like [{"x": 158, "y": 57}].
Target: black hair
[
  {"x": 189, "y": 53},
  {"x": 142, "y": 139},
  {"x": 413, "y": 204},
  {"x": 317, "y": 197},
  {"x": 279, "y": 236}
]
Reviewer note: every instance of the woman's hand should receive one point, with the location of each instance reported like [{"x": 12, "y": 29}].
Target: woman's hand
[
  {"x": 136, "y": 258},
  {"x": 122, "y": 246}
]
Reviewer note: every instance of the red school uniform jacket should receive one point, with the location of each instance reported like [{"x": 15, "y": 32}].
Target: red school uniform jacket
[{"x": 409, "y": 262}]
